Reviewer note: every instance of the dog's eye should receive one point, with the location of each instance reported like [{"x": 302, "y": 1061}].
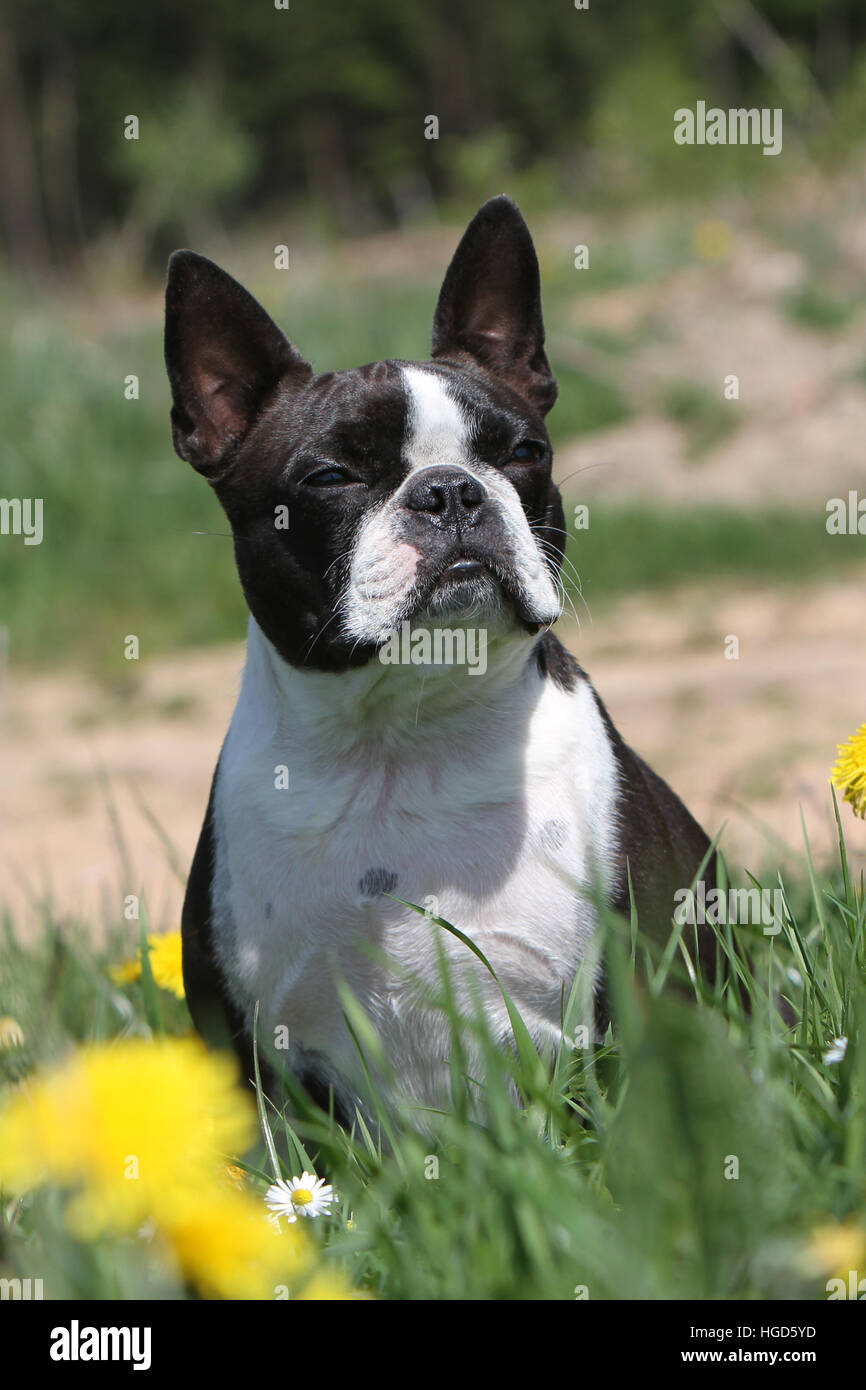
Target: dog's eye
[
  {"x": 329, "y": 475},
  {"x": 527, "y": 451}
]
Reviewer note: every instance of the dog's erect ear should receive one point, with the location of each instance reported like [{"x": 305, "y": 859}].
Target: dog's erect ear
[
  {"x": 224, "y": 356},
  {"x": 490, "y": 304}
]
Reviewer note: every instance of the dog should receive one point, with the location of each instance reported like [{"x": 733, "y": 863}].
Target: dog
[{"x": 413, "y": 498}]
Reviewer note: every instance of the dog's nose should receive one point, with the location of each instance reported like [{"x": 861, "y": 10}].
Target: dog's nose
[{"x": 449, "y": 496}]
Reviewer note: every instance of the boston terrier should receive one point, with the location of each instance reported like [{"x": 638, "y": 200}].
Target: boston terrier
[{"x": 411, "y": 499}]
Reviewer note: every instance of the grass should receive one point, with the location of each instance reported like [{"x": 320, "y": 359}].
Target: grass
[
  {"x": 626, "y": 549},
  {"x": 690, "y": 1154},
  {"x": 822, "y": 310}
]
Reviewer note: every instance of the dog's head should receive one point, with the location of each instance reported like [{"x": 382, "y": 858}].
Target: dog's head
[{"x": 396, "y": 491}]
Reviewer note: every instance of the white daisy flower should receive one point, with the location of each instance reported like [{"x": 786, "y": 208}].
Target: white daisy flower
[
  {"x": 837, "y": 1052},
  {"x": 303, "y": 1196}
]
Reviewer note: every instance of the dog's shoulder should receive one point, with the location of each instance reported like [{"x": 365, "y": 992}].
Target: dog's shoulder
[
  {"x": 557, "y": 664},
  {"x": 660, "y": 843},
  {"x": 662, "y": 848}
]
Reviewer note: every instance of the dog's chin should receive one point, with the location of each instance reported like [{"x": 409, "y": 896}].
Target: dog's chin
[{"x": 466, "y": 597}]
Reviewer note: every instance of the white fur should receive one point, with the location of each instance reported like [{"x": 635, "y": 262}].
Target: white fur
[
  {"x": 382, "y": 573},
  {"x": 439, "y": 432},
  {"x": 449, "y": 787}
]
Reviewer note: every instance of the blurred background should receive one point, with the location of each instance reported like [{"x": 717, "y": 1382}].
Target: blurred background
[{"x": 307, "y": 127}]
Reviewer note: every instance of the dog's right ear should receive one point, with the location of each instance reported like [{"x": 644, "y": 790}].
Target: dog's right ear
[
  {"x": 224, "y": 356},
  {"x": 490, "y": 304}
]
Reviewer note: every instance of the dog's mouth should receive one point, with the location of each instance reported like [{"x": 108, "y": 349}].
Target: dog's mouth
[
  {"x": 466, "y": 586},
  {"x": 464, "y": 567}
]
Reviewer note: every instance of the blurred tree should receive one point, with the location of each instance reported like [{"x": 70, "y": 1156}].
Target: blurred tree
[
  {"x": 189, "y": 156},
  {"x": 23, "y": 219},
  {"x": 323, "y": 104}
]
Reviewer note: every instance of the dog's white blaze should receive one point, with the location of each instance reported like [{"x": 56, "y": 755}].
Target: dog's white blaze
[
  {"x": 439, "y": 433},
  {"x": 500, "y": 810}
]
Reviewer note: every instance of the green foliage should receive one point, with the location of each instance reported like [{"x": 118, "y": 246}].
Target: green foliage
[
  {"x": 190, "y": 157},
  {"x": 322, "y": 106},
  {"x": 690, "y": 1153},
  {"x": 585, "y": 403},
  {"x": 820, "y": 309},
  {"x": 629, "y": 548},
  {"x": 121, "y": 512}
]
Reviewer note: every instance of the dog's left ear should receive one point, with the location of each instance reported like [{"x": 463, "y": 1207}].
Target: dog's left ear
[
  {"x": 225, "y": 356},
  {"x": 490, "y": 304}
]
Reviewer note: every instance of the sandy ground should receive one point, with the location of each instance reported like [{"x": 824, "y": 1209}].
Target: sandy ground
[
  {"x": 800, "y": 419},
  {"x": 746, "y": 742}
]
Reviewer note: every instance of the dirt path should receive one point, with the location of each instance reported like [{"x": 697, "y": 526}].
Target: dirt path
[{"x": 744, "y": 741}]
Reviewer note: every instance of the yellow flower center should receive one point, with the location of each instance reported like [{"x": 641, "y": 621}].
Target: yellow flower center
[{"x": 301, "y": 1196}]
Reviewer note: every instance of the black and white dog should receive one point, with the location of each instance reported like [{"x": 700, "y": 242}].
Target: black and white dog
[{"x": 401, "y": 497}]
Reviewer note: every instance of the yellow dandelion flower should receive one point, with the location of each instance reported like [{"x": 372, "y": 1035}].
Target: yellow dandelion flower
[
  {"x": 136, "y": 1127},
  {"x": 225, "y": 1247},
  {"x": 165, "y": 953},
  {"x": 849, "y": 770},
  {"x": 165, "y": 961},
  {"x": 11, "y": 1033},
  {"x": 327, "y": 1285},
  {"x": 712, "y": 239},
  {"x": 127, "y": 972},
  {"x": 836, "y": 1249}
]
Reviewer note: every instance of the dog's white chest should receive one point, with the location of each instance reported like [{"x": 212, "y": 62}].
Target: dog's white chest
[{"x": 502, "y": 826}]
